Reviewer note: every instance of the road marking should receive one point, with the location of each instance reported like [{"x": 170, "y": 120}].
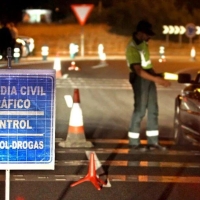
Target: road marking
[
  {"x": 120, "y": 141},
  {"x": 102, "y": 83},
  {"x": 123, "y": 163},
  {"x": 68, "y": 100},
  {"x": 100, "y": 65},
  {"x": 128, "y": 151},
  {"x": 112, "y": 178},
  {"x": 125, "y": 141},
  {"x": 34, "y": 113}
]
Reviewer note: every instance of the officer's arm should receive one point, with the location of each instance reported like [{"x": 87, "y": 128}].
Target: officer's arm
[{"x": 140, "y": 72}]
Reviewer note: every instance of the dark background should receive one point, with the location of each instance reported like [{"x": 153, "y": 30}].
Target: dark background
[{"x": 120, "y": 15}]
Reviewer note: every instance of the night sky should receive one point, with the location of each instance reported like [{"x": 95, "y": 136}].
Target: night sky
[{"x": 12, "y": 9}]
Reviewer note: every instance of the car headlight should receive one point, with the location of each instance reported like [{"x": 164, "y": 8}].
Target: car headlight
[{"x": 18, "y": 40}]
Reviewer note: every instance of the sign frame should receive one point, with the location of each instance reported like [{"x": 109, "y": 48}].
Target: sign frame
[{"x": 27, "y": 119}]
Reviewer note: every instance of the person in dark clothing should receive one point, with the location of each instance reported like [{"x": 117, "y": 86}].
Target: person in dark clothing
[
  {"x": 14, "y": 33},
  {"x": 6, "y": 40}
]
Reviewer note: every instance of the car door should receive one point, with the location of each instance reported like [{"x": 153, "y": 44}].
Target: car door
[{"x": 190, "y": 107}]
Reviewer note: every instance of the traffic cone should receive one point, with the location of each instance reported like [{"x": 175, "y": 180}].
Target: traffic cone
[
  {"x": 76, "y": 135},
  {"x": 57, "y": 67},
  {"x": 73, "y": 66},
  {"x": 91, "y": 176}
]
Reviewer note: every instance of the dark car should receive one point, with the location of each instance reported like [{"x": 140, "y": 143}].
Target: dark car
[{"x": 187, "y": 111}]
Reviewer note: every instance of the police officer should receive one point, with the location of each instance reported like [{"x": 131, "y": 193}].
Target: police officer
[{"x": 143, "y": 78}]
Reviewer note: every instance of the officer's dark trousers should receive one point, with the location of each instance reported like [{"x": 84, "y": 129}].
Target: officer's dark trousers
[{"x": 145, "y": 100}]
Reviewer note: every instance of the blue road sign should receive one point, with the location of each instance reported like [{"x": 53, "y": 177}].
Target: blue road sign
[
  {"x": 27, "y": 119},
  {"x": 190, "y": 30}
]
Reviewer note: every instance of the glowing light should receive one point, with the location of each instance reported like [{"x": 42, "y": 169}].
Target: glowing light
[
  {"x": 73, "y": 49},
  {"x": 170, "y": 76},
  {"x": 18, "y": 40},
  {"x": 102, "y": 55},
  {"x": 193, "y": 52},
  {"x": 16, "y": 53},
  {"x": 45, "y": 51},
  {"x": 166, "y": 29},
  {"x": 37, "y": 15},
  {"x": 176, "y": 30},
  {"x": 171, "y": 29},
  {"x": 182, "y": 30},
  {"x": 198, "y": 30}
]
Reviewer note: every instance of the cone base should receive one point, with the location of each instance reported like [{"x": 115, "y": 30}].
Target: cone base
[
  {"x": 74, "y": 143},
  {"x": 91, "y": 176},
  {"x": 98, "y": 183}
]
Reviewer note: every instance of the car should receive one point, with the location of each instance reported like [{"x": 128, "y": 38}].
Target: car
[
  {"x": 187, "y": 111},
  {"x": 25, "y": 44},
  {"x": 24, "y": 47}
]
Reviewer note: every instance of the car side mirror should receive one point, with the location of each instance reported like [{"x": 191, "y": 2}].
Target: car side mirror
[{"x": 184, "y": 78}]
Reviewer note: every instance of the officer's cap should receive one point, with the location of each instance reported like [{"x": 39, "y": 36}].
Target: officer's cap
[{"x": 145, "y": 27}]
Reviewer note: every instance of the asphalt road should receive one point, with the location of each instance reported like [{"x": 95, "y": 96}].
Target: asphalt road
[{"x": 106, "y": 103}]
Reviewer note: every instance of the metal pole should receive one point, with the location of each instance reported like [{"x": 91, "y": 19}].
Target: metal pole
[
  {"x": 7, "y": 184},
  {"x": 180, "y": 40},
  {"x": 7, "y": 188},
  {"x": 190, "y": 40},
  {"x": 167, "y": 39},
  {"x": 82, "y": 41},
  {"x": 9, "y": 56}
]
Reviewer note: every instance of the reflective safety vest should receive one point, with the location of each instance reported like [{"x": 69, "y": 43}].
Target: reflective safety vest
[{"x": 138, "y": 54}]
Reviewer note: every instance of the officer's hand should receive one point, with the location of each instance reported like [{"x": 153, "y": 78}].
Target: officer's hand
[{"x": 162, "y": 82}]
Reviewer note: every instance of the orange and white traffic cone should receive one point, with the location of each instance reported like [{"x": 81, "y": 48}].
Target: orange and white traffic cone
[
  {"x": 73, "y": 66},
  {"x": 76, "y": 134},
  {"x": 57, "y": 67},
  {"x": 91, "y": 176}
]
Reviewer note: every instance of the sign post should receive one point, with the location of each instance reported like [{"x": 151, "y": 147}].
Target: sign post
[
  {"x": 177, "y": 30},
  {"x": 7, "y": 185},
  {"x": 166, "y": 32},
  {"x": 181, "y": 32},
  {"x": 27, "y": 120},
  {"x": 82, "y": 12}
]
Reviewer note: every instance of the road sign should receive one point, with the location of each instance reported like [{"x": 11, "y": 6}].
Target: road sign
[
  {"x": 198, "y": 30},
  {"x": 82, "y": 12},
  {"x": 190, "y": 30},
  {"x": 176, "y": 30},
  {"x": 165, "y": 29},
  {"x": 182, "y": 30},
  {"x": 173, "y": 29},
  {"x": 27, "y": 115}
]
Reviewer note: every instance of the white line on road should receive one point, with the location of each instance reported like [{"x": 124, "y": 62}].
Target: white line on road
[{"x": 17, "y": 112}]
